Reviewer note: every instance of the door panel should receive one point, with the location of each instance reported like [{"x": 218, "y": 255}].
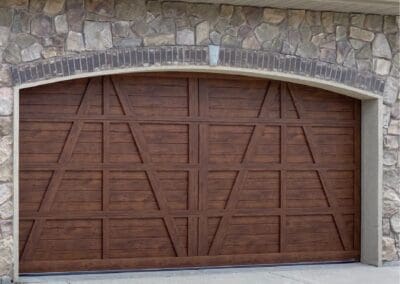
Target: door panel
[{"x": 186, "y": 170}]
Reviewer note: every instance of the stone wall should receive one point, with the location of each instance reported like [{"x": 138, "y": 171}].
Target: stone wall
[{"x": 39, "y": 30}]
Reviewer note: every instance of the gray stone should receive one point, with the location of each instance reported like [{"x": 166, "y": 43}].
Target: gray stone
[
  {"x": 391, "y": 142},
  {"x": 75, "y": 15},
  {"x": 290, "y": 45},
  {"x": 394, "y": 129},
  {"x": 21, "y": 22},
  {"x": 391, "y": 90},
  {"x": 6, "y": 17},
  {"x": 342, "y": 19},
  {"x": 390, "y": 25},
  {"x": 6, "y": 210},
  {"x": 251, "y": 43},
  {"x": 358, "y": 20},
  {"x": 165, "y": 26},
  {"x": 394, "y": 42},
  {"x": 174, "y": 9},
  {"x": 130, "y": 9},
  {"x": 97, "y": 35},
  {"x": 395, "y": 223},
  {"x": 343, "y": 49},
  {"x": 51, "y": 51},
  {"x": 25, "y": 40},
  {"x": 100, "y": 7},
  {"x": 6, "y": 257},
  {"x": 254, "y": 15},
  {"x": 350, "y": 60},
  {"x": 207, "y": 12},
  {"x": 238, "y": 17},
  {"x": 61, "y": 24},
  {"x": 154, "y": 7},
  {"x": 159, "y": 39},
  {"x": 307, "y": 50},
  {"x": 12, "y": 54},
  {"x": 389, "y": 158},
  {"x": 53, "y": 7},
  {"x": 5, "y": 125},
  {"x": 226, "y": 11},
  {"x": 41, "y": 26},
  {"x": 391, "y": 199},
  {"x": 274, "y": 16},
  {"x": 132, "y": 41},
  {"x": 341, "y": 33},
  {"x": 182, "y": 23},
  {"x": 395, "y": 114},
  {"x": 6, "y": 101},
  {"x": 202, "y": 33},
  {"x": 6, "y": 171},
  {"x": 5, "y": 76},
  {"x": 244, "y": 31},
  {"x": 313, "y": 18},
  {"x": 75, "y": 41},
  {"x": 141, "y": 28},
  {"x": 4, "y": 36},
  {"x": 274, "y": 45},
  {"x": 365, "y": 52},
  {"x": 317, "y": 39},
  {"x": 374, "y": 22},
  {"x": 32, "y": 52},
  {"x": 266, "y": 32},
  {"x": 230, "y": 41},
  {"x": 121, "y": 28},
  {"x": 389, "y": 249},
  {"x": 327, "y": 22},
  {"x": 185, "y": 37},
  {"x": 381, "y": 66},
  {"x": 215, "y": 38},
  {"x": 295, "y": 18},
  {"x": 305, "y": 32},
  {"x": 222, "y": 25},
  {"x": 5, "y": 188},
  {"x": 357, "y": 44},
  {"x": 380, "y": 47},
  {"x": 328, "y": 55},
  {"x": 361, "y": 34}
]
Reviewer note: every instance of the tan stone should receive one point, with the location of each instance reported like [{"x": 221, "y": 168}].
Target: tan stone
[
  {"x": 53, "y": 7},
  {"x": 361, "y": 34},
  {"x": 251, "y": 43},
  {"x": 274, "y": 16},
  {"x": 389, "y": 249},
  {"x": 202, "y": 33},
  {"x": 159, "y": 39}
]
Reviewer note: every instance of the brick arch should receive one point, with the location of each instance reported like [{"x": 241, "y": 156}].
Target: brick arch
[{"x": 162, "y": 57}]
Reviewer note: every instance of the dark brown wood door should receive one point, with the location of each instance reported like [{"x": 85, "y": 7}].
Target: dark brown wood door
[{"x": 186, "y": 170}]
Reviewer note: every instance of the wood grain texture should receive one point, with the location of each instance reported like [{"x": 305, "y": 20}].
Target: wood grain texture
[{"x": 184, "y": 170}]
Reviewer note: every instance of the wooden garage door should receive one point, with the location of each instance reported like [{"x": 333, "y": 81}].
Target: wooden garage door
[{"x": 186, "y": 170}]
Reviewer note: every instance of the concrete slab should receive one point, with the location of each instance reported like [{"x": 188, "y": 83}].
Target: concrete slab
[{"x": 297, "y": 274}]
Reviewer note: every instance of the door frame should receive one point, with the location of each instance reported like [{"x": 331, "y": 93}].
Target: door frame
[{"x": 371, "y": 146}]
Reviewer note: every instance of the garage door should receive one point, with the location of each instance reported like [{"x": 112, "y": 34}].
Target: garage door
[{"x": 186, "y": 170}]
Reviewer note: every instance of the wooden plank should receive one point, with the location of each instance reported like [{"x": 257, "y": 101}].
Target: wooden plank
[
  {"x": 331, "y": 199},
  {"x": 144, "y": 153},
  {"x": 242, "y": 174},
  {"x": 55, "y": 181}
]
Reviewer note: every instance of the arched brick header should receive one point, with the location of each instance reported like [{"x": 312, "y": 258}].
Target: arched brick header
[{"x": 194, "y": 55}]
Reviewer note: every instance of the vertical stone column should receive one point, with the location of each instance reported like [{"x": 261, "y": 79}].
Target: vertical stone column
[{"x": 6, "y": 161}]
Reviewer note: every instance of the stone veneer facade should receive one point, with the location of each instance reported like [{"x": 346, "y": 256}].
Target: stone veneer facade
[{"x": 42, "y": 39}]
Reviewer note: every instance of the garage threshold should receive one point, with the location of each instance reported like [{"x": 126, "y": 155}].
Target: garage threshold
[{"x": 343, "y": 273}]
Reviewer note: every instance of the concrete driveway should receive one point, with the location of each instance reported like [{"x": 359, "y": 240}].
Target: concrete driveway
[{"x": 298, "y": 274}]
